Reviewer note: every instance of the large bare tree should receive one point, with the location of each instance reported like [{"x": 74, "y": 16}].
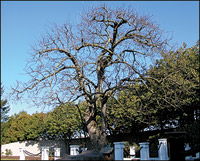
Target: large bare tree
[{"x": 92, "y": 60}]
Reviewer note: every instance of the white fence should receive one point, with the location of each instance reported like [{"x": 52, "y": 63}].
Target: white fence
[
  {"x": 144, "y": 151},
  {"x": 33, "y": 146},
  {"x": 162, "y": 152},
  {"x": 44, "y": 154}
]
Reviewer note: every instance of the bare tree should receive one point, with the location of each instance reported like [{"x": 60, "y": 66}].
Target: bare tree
[{"x": 92, "y": 60}]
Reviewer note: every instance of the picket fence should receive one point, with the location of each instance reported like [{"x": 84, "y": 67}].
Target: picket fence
[{"x": 118, "y": 151}]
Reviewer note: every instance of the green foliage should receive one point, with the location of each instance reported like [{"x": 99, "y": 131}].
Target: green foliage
[
  {"x": 5, "y": 126},
  {"x": 175, "y": 86},
  {"x": 124, "y": 112},
  {"x": 63, "y": 122},
  {"x": 36, "y": 126},
  {"x": 4, "y": 116},
  {"x": 4, "y": 108},
  {"x": 8, "y": 152},
  {"x": 22, "y": 127},
  {"x": 168, "y": 98}
]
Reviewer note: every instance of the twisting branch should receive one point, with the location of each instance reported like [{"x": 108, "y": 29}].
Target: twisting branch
[{"x": 100, "y": 55}]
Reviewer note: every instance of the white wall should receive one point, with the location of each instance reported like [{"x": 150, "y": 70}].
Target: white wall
[{"x": 33, "y": 146}]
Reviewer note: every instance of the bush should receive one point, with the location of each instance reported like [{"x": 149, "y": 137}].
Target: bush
[{"x": 8, "y": 152}]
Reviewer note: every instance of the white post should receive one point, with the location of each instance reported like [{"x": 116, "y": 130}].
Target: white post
[
  {"x": 83, "y": 149},
  {"x": 144, "y": 151},
  {"x": 21, "y": 154},
  {"x": 74, "y": 149},
  {"x": 119, "y": 150},
  {"x": 188, "y": 148},
  {"x": 163, "y": 151},
  {"x": 132, "y": 152},
  {"x": 198, "y": 155},
  {"x": 45, "y": 153},
  {"x": 56, "y": 153}
]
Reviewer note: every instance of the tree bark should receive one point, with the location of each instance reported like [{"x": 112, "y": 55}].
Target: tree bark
[
  {"x": 97, "y": 134},
  {"x": 103, "y": 126}
]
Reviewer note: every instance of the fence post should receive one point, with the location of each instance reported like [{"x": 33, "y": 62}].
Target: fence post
[
  {"x": 163, "y": 151},
  {"x": 188, "y": 148},
  {"x": 144, "y": 151},
  {"x": 56, "y": 153},
  {"x": 74, "y": 149},
  {"x": 132, "y": 152},
  {"x": 21, "y": 154},
  {"x": 45, "y": 153},
  {"x": 119, "y": 150},
  {"x": 198, "y": 155}
]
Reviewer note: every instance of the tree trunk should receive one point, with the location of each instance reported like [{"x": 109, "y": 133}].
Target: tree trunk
[
  {"x": 103, "y": 125},
  {"x": 97, "y": 135}
]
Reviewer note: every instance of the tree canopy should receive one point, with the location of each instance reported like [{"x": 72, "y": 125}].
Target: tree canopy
[
  {"x": 63, "y": 122},
  {"x": 4, "y": 114},
  {"x": 4, "y": 107},
  {"x": 91, "y": 60},
  {"x": 22, "y": 126},
  {"x": 170, "y": 99},
  {"x": 175, "y": 89}
]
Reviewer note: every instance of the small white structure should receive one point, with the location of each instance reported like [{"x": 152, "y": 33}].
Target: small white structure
[
  {"x": 83, "y": 149},
  {"x": 74, "y": 149},
  {"x": 144, "y": 151},
  {"x": 45, "y": 153},
  {"x": 119, "y": 150},
  {"x": 33, "y": 146},
  {"x": 132, "y": 152},
  {"x": 56, "y": 153},
  {"x": 198, "y": 155},
  {"x": 163, "y": 151},
  {"x": 21, "y": 154}
]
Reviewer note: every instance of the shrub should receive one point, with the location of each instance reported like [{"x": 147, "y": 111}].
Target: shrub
[{"x": 8, "y": 152}]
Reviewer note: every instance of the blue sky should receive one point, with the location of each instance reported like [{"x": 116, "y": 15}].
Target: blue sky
[{"x": 22, "y": 22}]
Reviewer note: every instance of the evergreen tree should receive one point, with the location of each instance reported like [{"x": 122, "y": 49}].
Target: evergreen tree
[{"x": 4, "y": 108}]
